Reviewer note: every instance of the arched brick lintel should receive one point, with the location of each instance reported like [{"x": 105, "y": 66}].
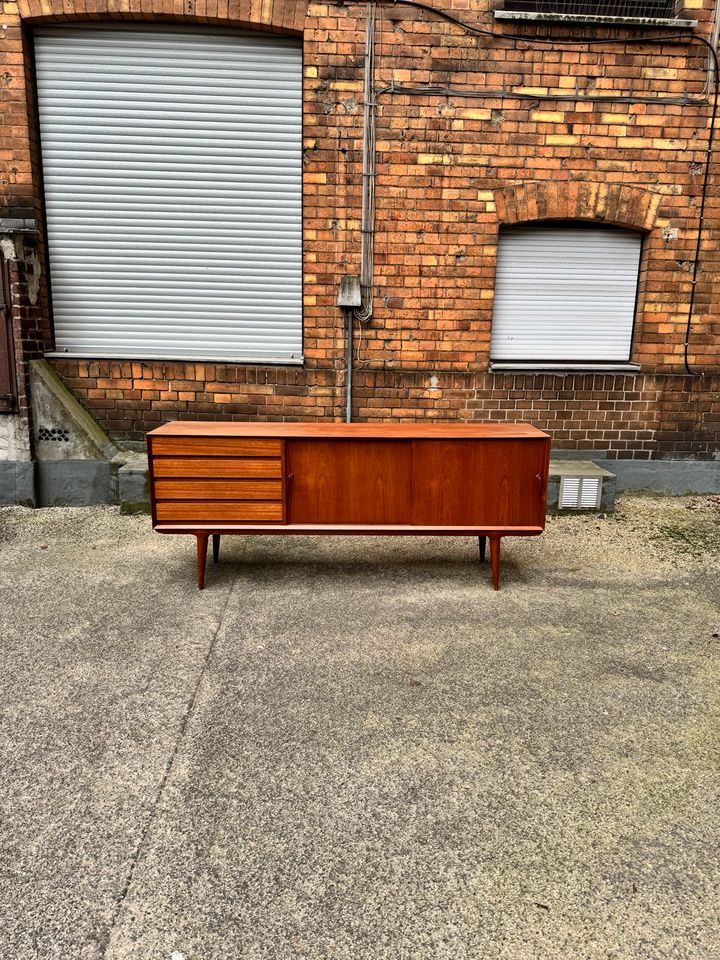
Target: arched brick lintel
[
  {"x": 280, "y": 16},
  {"x": 616, "y": 204}
]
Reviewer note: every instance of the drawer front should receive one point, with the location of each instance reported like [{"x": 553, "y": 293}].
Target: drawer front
[
  {"x": 220, "y": 512},
  {"x": 218, "y": 490},
  {"x": 215, "y": 447},
  {"x": 218, "y": 479},
  {"x": 269, "y": 468}
]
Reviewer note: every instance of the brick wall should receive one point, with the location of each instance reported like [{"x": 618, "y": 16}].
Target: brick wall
[
  {"x": 23, "y": 266},
  {"x": 452, "y": 171},
  {"x": 636, "y": 416}
]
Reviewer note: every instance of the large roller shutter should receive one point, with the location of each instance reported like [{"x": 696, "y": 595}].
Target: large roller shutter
[
  {"x": 172, "y": 171},
  {"x": 565, "y": 293}
]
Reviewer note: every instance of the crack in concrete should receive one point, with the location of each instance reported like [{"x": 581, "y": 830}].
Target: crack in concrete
[{"x": 189, "y": 710}]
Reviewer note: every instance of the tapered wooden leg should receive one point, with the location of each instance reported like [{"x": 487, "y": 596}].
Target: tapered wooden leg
[
  {"x": 216, "y": 547},
  {"x": 202, "y": 541},
  {"x": 495, "y": 561},
  {"x": 481, "y": 543}
]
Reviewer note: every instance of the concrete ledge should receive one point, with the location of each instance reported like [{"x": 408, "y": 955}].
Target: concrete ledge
[
  {"x": 133, "y": 486},
  {"x": 667, "y": 476},
  {"x": 583, "y": 454},
  {"x": 508, "y": 367},
  {"x": 578, "y": 468}
]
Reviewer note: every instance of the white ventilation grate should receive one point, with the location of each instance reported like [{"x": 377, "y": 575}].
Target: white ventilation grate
[{"x": 580, "y": 493}]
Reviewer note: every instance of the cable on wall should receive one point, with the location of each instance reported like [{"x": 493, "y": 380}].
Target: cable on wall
[
  {"x": 367, "y": 221},
  {"x": 368, "y": 207}
]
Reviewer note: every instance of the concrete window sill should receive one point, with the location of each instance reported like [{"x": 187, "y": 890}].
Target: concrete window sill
[
  {"x": 508, "y": 367},
  {"x": 154, "y": 358}
]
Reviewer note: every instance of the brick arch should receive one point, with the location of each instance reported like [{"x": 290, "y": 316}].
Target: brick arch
[
  {"x": 285, "y": 16},
  {"x": 616, "y": 204}
]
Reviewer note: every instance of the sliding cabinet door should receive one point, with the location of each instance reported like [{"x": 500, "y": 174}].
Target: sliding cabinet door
[
  {"x": 348, "y": 481},
  {"x": 478, "y": 483}
]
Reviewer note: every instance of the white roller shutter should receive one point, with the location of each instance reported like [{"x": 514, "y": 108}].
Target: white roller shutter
[
  {"x": 565, "y": 293},
  {"x": 172, "y": 171}
]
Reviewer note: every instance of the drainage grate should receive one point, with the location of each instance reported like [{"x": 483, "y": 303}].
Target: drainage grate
[
  {"x": 580, "y": 493},
  {"x": 54, "y": 433}
]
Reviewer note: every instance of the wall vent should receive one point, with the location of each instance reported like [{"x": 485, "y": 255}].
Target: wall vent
[
  {"x": 54, "y": 433},
  {"x": 655, "y": 9},
  {"x": 580, "y": 493}
]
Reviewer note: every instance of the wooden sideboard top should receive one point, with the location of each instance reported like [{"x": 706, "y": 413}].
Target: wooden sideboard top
[{"x": 387, "y": 431}]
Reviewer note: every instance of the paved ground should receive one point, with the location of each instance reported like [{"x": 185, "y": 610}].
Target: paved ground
[{"x": 355, "y": 749}]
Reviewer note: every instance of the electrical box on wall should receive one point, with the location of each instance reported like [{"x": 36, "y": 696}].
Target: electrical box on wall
[{"x": 349, "y": 293}]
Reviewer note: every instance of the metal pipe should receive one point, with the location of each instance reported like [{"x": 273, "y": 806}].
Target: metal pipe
[
  {"x": 714, "y": 36},
  {"x": 349, "y": 312}
]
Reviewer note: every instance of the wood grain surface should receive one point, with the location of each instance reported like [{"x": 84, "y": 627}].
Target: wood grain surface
[
  {"x": 355, "y": 481},
  {"x": 465, "y": 482},
  {"x": 267, "y": 467},
  {"x": 224, "y": 511},
  {"x": 214, "y": 445},
  {"x": 323, "y": 430},
  {"x": 218, "y": 490}
]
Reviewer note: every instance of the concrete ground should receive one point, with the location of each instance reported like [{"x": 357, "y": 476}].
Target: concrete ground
[{"x": 354, "y": 749}]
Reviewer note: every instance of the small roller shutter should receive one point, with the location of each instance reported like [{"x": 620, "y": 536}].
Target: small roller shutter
[
  {"x": 172, "y": 173},
  {"x": 565, "y": 293}
]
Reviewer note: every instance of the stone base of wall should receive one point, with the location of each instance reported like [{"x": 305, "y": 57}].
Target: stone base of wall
[
  {"x": 628, "y": 416},
  {"x": 675, "y": 477},
  {"x": 79, "y": 483},
  {"x": 74, "y": 483},
  {"x": 17, "y": 483}
]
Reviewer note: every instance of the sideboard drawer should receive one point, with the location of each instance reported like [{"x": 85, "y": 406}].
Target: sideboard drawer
[
  {"x": 215, "y": 446},
  {"x": 218, "y": 490},
  {"x": 269, "y": 468},
  {"x": 218, "y": 479},
  {"x": 207, "y": 511}
]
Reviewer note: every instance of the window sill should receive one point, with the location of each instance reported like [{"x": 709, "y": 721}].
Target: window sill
[
  {"x": 290, "y": 361},
  {"x": 537, "y": 367},
  {"x": 571, "y": 18}
]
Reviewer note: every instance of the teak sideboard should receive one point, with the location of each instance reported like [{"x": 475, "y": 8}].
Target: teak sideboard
[{"x": 486, "y": 480}]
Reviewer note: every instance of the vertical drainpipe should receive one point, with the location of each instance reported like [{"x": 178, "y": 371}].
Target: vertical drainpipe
[
  {"x": 349, "y": 298},
  {"x": 714, "y": 36},
  {"x": 348, "y": 362},
  {"x": 355, "y": 295}
]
